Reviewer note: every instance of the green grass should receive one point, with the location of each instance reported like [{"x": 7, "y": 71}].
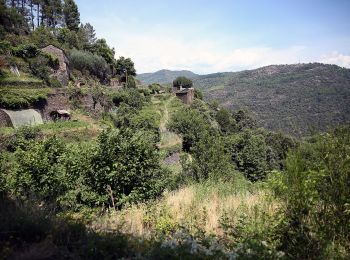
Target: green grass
[
  {"x": 23, "y": 81},
  {"x": 22, "y": 98},
  {"x": 63, "y": 125}
]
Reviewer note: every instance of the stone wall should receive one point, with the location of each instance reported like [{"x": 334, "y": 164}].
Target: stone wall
[
  {"x": 186, "y": 96},
  {"x": 58, "y": 99},
  {"x": 62, "y": 73}
]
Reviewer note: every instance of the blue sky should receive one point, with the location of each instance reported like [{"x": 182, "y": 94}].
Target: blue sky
[{"x": 222, "y": 35}]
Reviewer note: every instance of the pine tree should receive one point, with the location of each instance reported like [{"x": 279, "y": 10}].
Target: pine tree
[
  {"x": 51, "y": 13},
  {"x": 71, "y": 15}
]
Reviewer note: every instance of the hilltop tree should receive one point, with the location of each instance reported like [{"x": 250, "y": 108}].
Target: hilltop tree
[
  {"x": 183, "y": 82},
  {"x": 71, "y": 15}
]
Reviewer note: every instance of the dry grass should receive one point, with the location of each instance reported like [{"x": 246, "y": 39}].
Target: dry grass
[{"x": 190, "y": 207}]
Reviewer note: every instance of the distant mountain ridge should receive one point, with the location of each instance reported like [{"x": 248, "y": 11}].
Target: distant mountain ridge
[
  {"x": 164, "y": 76},
  {"x": 297, "y": 99}
]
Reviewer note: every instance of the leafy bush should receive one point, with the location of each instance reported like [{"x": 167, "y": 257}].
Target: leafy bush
[
  {"x": 249, "y": 152},
  {"x": 191, "y": 124},
  {"x": 123, "y": 167},
  {"x": 183, "y": 82},
  {"x": 87, "y": 62},
  {"x": 26, "y": 51},
  {"x": 154, "y": 88},
  {"x": 5, "y": 47},
  {"x": 315, "y": 187}
]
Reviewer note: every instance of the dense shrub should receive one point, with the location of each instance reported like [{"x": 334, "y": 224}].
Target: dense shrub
[
  {"x": 191, "y": 124},
  {"x": 123, "y": 167},
  {"x": 248, "y": 151},
  {"x": 315, "y": 187},
  {"x": 26, "y": 51},
  {"x": 154, "y": 88},
  {"x": 183, "y": 82},
  {"x": 87, "y": 62}
]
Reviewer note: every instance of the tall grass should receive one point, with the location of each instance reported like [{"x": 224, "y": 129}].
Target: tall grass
[{"x": 201, "y": 206}]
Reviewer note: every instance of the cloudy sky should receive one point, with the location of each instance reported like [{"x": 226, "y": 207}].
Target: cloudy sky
[{"x": 222, "y": 35}]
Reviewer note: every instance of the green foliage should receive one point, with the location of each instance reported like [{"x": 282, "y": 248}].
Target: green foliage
[
  {"x": 154, "y": 88},
  {"x": 210, "y": 160},
  {"x": 101, "y": 48},
  {"x": 68, "y": 38},
  {"x": 131, "y": 97},
  {"x": 123, "y": 167},
  {"x": 123, "y": 66},
  {"x": 296, "y": 99},
  {"x": 42, "y": 37},
  {"x": 183, "y": 82},
  {"x": 191, "y": 125},
  {"x": 26, "y": 51},
  {"x": 249, "y": 152},
  {"x": 127, "y": 163},
  {"x": 198, "y": 94},
  {"x": 131, "y": 82},
  {"x": 71, "y": 15},
  {"x": 5, "y": 47},
  {"x": 315, "y": 187},
  {"x": 87, "y": 62},
  {"x": 226, "y": 121},
  {"x": 22, "y": 98}
]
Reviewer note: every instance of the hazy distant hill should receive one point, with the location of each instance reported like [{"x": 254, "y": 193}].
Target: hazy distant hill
[
  {"x": 164, "y": 76},
  {"x": 296, "y": 99}
]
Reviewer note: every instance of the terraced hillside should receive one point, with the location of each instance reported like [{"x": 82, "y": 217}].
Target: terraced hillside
[{"x": 297, "y": 99}]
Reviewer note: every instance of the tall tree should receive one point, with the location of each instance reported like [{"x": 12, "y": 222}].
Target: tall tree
[
  {"x": 51, "y": 12},
  {"x": 89, "y": 35},
  {"x": 71, "y": 15}
]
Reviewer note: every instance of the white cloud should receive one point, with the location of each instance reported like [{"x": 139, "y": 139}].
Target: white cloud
[
  {"x": 164, "y": 47},
  {"x": 337, "y": 58},
  {"x": 151, "y": 53}
]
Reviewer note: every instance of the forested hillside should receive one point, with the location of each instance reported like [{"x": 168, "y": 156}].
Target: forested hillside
[
  {"x": 118, "y": 170},
  {"x": 164, "y": 76},
  {"x": 298, "y": 99}
]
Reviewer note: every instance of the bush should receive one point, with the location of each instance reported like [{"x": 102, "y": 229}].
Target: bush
[
  {"x": 191, "y": 124},
  {"x": 315, "y": 187},
  {"x": 154, "y": 88},
  {"x": 183, "y": 82},
  {"x": 26, "y": 51},
  {"x": 5, "y": 47},
  {"x": 123, "y": 167},
  {"x": 87, "y": 62},
  {"x": 248, "y": 151}
]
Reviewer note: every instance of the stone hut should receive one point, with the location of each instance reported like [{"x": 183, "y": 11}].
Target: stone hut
[
  {"x": 185, "y": 94},
  {"x": 62, "y": 72}
]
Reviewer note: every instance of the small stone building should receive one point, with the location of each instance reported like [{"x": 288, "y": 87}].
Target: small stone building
[
  {"x": 62, "y": 72},
  {"x": 185, "y": 94}
]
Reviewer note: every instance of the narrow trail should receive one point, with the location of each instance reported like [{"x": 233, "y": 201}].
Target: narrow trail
[{"x": 168, "y": 138}]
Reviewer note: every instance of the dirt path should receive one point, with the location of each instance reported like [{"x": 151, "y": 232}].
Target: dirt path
[{"x": 168, "y": 138}]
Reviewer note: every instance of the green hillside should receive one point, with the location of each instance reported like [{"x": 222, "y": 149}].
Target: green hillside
[
  {"x": 164, "y": 76},
  {"x": 297, "y": 99}
]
